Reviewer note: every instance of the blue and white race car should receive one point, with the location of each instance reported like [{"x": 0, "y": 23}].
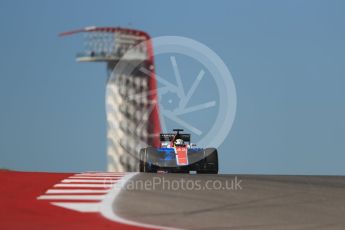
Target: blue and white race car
[{"x": 177, "y": 154}]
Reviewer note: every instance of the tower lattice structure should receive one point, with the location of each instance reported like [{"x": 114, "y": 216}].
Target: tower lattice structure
[{"x": 131, "y": 91}]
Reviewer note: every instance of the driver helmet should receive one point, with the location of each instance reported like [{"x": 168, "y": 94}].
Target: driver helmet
[{"x": 179, "y": 142}]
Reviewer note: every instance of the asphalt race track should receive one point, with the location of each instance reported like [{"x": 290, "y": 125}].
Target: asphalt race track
[
  {"x": 97, "y": 200},
  {"x": 264, "y": 202}
]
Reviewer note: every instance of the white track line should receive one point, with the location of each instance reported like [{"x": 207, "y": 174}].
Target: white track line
[
  {"x": 71, "y": 197},
  {"x": 76, "y": 191},
  {"x": 101, "y": 174},
  {"x": 85, "y": 185},
  {"x": 104, "y": 173},
  {"x": 80, "y": 207},
  {"x": 88, "y": 181},
  {"x": 106, "y": 206},
  {"x": 95, "y": 177}
]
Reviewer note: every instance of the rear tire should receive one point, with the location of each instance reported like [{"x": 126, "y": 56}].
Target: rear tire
[
  {"x": 210, "y": 161},
  {"x": 146, "y": 156},
  {"x": 141, "y": 160}
]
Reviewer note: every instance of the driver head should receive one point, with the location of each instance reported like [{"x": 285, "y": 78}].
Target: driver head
[{"x": 179, "y": 142}]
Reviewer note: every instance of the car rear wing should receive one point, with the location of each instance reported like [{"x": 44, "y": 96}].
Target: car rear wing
[{"x": 170, "y": 136}]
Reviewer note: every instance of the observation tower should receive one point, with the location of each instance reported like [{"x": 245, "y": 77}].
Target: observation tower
[{"x": 131, "y": 92}]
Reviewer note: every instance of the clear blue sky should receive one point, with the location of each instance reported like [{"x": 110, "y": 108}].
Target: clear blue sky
[{"x": 287, "y": 59}]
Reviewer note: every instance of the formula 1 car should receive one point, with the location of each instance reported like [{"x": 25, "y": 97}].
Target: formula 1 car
[{"x": 177, "y": 155}]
